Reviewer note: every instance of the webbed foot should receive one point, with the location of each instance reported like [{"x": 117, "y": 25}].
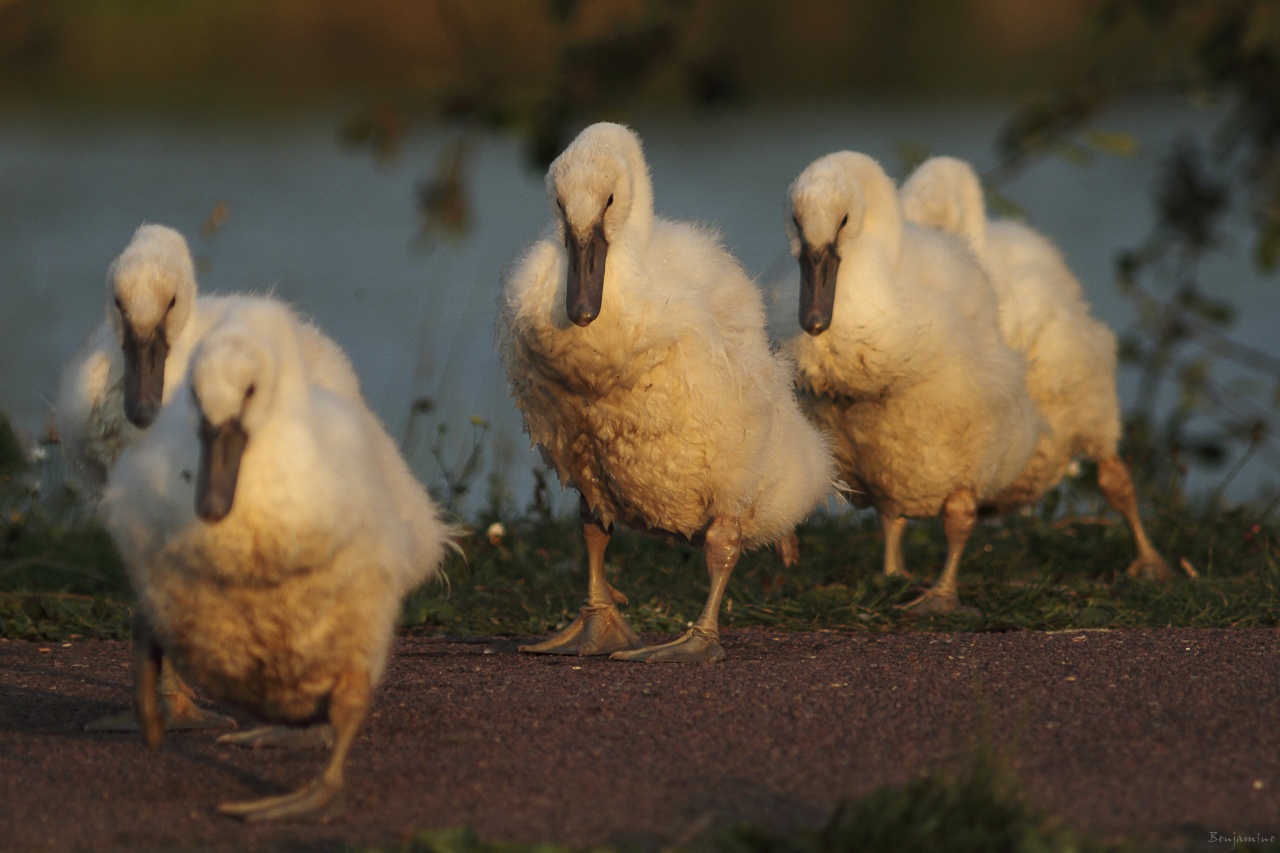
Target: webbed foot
[
  {"x": 319, "y": 801},
  {"x": 181, "y": 714},
  {"x": 1150, "y": 567},
  {"x": 696, "y": 646},
  {"x": 934, "y": 601},
  {"x": 598, "y": 630},
  {"x": 282, "y": 737}
]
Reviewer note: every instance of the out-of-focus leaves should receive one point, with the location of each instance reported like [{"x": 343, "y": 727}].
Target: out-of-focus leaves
[
  {"x": 12, "y": 458},
  {"x": 1001, "y": 205},
  {"x": 1068, "y": 151},
  {"x": 562, "y": 11},
  {"x": 1207, "y": 451},
  {"x": 1190, "y": 199},
  {"x": 911, "y": 154},
  {"x": 1215, "y": 311},
  {"x": 380, "y": 131},
  {"x": 217, "y": 218},
  {"x": 1039, "y": 124},
  {"x": 1131, "y": 350},
  {"x": 1115, "y": 144},
  {"x": 1127, "y": 267},
  {"x": 602, "y": 71},
  {"x": 444, "y": 203},
  {"x": 1194, "y": 374},
  {"x": 713, "y": 80},
  {"x": 1267, "y": 248},
  {"x": 1262, "y": 28}
]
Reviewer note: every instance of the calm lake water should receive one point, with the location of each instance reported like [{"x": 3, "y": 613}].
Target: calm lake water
[{"x": 335, "y": 234}]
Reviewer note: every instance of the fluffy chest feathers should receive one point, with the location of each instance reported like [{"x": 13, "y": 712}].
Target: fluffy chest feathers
[{"x": 642, "y": 409}]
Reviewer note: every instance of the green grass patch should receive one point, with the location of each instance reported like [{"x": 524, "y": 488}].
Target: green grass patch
[
  {"x": 1034, "y": 572},
  {"x": 60, "y": 575}
]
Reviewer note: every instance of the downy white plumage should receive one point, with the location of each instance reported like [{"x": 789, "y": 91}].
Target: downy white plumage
[
  {"x": 270, "y": 528},
  {"x": 902, "y": 360},
  {"x": 1071, "y": 355},
  {"x": 136, "y": 362},
  {"x": 636, "y": 352}
]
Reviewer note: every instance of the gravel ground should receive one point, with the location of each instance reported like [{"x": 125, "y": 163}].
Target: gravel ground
[{"x": 1165, "y": 735}]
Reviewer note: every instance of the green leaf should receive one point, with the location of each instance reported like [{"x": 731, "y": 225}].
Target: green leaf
[
  {"x": 1001, "y": 205},
  {"x": 1115, "y": 144},
  {"x": 1076, "y": 155},
  {"x": 1267, "y": 250}
]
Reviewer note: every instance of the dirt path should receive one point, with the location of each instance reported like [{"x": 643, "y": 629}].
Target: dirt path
[{"x": 1168, "y": 734}]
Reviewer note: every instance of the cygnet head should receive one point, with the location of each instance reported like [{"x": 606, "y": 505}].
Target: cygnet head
[
  {"x": 151, "y": 290},
  {"x": 829, "y": 207},
  {"x": 234, "y": 377},
  {"x": 600, "y": 191},
  {"x": 945, "y": 193}
]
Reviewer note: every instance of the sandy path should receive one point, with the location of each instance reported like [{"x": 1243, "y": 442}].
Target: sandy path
[{"x": 1167, "y": 734}]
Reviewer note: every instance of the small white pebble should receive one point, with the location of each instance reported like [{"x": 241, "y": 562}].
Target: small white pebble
[{"x": 496, "y": 533}]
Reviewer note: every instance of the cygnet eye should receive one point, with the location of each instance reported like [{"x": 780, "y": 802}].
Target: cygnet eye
[
  {"x": 843, "y": 223},
  {"x": 608, "y": 204},
  {"x": 173, "y": 300},
  {"x": 119, "y": 307},
  {"x": 248, "y": 392}
]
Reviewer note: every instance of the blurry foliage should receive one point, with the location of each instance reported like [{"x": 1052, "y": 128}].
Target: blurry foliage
[
  {"x": 605, "y": 59},
  {"x": 979, "y": 807},
  {"x": 976, "y": 808},
  {"x": 12, "y": 459},
  {"x": 595, "y": 71},
  {"x": 59, "y": 571},
  {"x": 1224, "y": 53},
  {"x": 452, "y": 481}
]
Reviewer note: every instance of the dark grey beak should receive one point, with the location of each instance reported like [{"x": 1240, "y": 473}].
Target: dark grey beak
[
  {"x": 817, "y": 287},
  {"x": 220, "y": 450},
  {"x": 585, "y": 289},
  {"x": 143, "y": 375}
]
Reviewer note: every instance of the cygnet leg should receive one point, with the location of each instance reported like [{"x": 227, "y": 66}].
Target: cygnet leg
[
  {"x": 959, "y": 517},
  {"x": 177, "y": 704},
  {"x": 319, "y": 800},
  {"x": 599, "y": 627},
  {"x": 788, "y": 548},
  {"x": 147, "y": 660},
  {"x": 701, "y": 643},
  {"x": 894, "y": 526},
  {"x": 1117, "y": 487}
]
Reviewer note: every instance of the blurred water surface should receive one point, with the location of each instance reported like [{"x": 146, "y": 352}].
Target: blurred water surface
[{"x": 337, "y": 235}]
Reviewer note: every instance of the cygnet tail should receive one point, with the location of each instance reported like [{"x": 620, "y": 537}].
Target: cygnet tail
[{"x": 805, "y": 474}]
